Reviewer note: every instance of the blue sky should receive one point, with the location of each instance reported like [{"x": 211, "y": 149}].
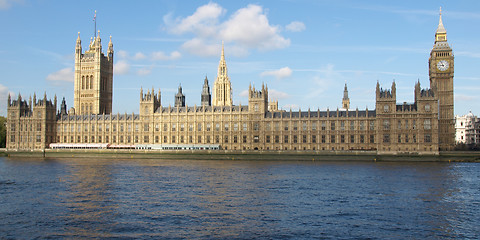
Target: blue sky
[{"x": 304, "y": 50}]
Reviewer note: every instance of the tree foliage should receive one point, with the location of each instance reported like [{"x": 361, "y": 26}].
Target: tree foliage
[{"x": 3, "y": 131}]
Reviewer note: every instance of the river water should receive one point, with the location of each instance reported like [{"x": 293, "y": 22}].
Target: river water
[{"x": 193, "y": 199}]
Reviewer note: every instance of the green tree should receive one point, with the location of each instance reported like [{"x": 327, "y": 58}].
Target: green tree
[{"x": 3, "y": 131}]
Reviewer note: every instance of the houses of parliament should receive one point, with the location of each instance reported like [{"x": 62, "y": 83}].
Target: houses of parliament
[{"x": 425, "y": 126}]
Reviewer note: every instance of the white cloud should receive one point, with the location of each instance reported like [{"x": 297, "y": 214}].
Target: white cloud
[
  {"x": 6, "y": 4},
  {"x": 3, "y": 100},
  {"x": 295, "y": 26},
  {"x": 122, "y": 54},
  {"x": 276, "y": 95},
  {"x": 250, "y": 27},
  {"x": 290, "y": 106},
  {"x": 199, "y": 47},
  {"x": 247, "y": 28},
  {"x": 139, "y": 56},
  {"x": 62, "y": 75},
  {"x": 121, "y": 67},
  {"x": 144, "y": 71},
  {"x": 465, "y": 98},
  {"x": 321, "y": 83},
  {"x": 203, "y": 22},
  {"x": 243, "y": 93},
  {"x": 279, "y": 74},
  {"x": 162, "y": 56}
]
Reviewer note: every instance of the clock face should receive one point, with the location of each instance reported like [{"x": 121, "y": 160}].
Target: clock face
[{"x": 442, "y": 65}]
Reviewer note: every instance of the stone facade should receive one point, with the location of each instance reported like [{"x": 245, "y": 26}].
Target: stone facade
[
  {"x": 260, "y": 125},
  {"x": 93, "y": 78}
]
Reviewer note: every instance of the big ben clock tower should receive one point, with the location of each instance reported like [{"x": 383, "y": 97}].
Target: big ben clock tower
[{"x": 441, "y": 80}]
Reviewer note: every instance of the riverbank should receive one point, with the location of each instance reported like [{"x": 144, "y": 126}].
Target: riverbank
[{"x": 456, "y": 156}]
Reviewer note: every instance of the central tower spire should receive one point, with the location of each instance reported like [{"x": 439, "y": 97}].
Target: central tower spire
[
  {"x": 222, "y": 88},
  {"x": 441, "y": 33}
]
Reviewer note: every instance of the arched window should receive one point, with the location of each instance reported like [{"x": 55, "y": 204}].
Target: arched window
[
  {"x": 91, "y": 81},
  {"x": 83, "y": 82}
]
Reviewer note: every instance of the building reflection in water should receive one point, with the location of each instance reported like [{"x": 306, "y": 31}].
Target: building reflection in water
[{"x": 89, "y": 199}]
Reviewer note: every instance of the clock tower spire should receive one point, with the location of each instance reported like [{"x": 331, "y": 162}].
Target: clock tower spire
[{"x": 441, "y": 69}]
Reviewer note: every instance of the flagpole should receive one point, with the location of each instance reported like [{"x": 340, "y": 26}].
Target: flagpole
[{"x": 95, "y": 20}]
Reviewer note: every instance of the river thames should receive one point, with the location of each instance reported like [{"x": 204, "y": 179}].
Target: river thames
[{"x": 193, "y": 199}]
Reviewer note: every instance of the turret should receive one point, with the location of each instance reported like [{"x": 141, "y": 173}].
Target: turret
[
  {"x": 179, "y": 98},
  {"x": 110, "y": 49},
  {"x": 258, "y": 100},
  {"x": 206, "y": 96},
  {"x": 78, "y": 47},
  {"x": 345, "y": 99}
]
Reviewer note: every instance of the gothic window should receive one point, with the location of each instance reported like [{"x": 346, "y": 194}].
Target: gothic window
[
  {"x": 342, "y": 138},
  {"x": 362, "y": 138},
  {"x": 145, "y": 127},
  {"x": 83, "y": 82},
  {"x": 386, "y": 124},
  {"x": 386, "y": 138},
  {"x": 285, "y": 139},
  {"x": 245, "y": 127},
  {"x": 342, "y": 125},
  {"x": 332, "y": 138},
  {"x": 428, "y": 138},
  {"x": 256, "y": 127},
  {"x": 352, "y": 138},
  {"x": 332, "y": 126},
  {"x": 304, "y": 126},
  {"x": 235, "y": 127},
  {"x": 314, "y": 126},
  {"x": 217, "y": 127},
  {"x": 199, "y": 127},
  {"x": 314, "y": 139},
  {"x": 426, "y": 124}
]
